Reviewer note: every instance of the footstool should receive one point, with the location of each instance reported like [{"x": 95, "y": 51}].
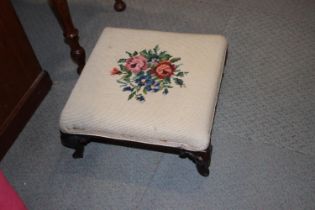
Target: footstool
[{"x": 150, "y": 89}]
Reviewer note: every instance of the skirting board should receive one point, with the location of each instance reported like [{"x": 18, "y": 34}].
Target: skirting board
[{"x": 23, "y": 111}]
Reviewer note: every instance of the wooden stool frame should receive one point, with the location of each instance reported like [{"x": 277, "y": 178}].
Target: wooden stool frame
[{"x": 202, "y": 159}]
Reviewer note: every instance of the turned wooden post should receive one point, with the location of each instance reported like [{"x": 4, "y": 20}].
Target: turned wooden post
[{"x": 71, "y": 34}]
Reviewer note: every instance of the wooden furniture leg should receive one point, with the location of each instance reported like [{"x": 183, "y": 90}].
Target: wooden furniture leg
[
  {"x": 201, "y": 159},
  {"x": 76, "y": 142},
  {"x": 119, "y": 5},
  {"x": 71, "y": 34}
]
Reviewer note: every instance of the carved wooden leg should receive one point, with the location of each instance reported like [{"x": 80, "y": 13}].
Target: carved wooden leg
[
  {"x": 201, "y": 159},
  {"x": 76, "y": 142},
  {"x": 71, "y": 34},
  {"x": 119, "y": 5}
]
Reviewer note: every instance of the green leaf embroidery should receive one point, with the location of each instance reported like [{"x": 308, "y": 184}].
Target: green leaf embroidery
[
  {"x": 167, "y": 80},
  {"x": 180, "y": 74},
  {"x": 178, "y": 81},
  {"x": 173, "y": 60},
  {"x": 144, "y": 53},
  {"x": 165, "y": 57},
  {"x": 156, "y": 48},
  {"x": 122, "y": 60},
  {"x": 123, "y": 68},
  {"x": 131, "y": 95},
  {"x": 130, "y": 55}
]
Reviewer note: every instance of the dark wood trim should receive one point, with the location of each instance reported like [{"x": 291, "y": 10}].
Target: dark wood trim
[
  {"x": 23, "y": 111},
  {"x": 201, "y": 159}
]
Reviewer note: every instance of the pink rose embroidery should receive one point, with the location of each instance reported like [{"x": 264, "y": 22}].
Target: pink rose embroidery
[{"x": 136, "y": 64}]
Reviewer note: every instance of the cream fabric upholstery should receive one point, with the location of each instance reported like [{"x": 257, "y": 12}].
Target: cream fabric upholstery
[{"x": 182, "y": 118}]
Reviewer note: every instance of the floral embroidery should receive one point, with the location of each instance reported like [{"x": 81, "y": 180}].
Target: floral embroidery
[{"x": 148, "y": 71}]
